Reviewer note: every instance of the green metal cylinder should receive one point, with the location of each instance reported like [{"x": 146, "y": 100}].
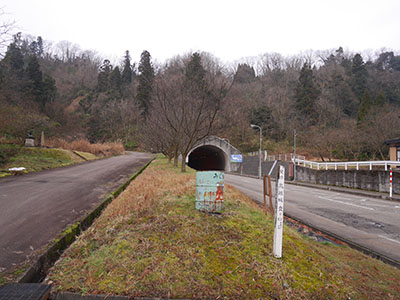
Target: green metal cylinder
[{"x": 210, "y": 191}]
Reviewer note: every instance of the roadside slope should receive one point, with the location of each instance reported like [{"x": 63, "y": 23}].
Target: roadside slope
[{"x": 151, "y": 242}]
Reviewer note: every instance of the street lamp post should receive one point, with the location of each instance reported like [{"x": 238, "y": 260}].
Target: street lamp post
[{"x": 259, "y": 153}]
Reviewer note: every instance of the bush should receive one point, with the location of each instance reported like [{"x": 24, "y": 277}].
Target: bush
[
  {"x": 7, "y": 151},
  {"x": 131, "y": 145}
]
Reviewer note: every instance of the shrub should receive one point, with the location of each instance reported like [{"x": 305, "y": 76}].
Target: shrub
[{"x": 7, "y": 151}]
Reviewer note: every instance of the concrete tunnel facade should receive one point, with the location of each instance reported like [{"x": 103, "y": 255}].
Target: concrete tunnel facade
[{"x": 208, "y": 158}]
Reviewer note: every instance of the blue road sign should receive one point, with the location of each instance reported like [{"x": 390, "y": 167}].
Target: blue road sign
[{"x": 236, "y": 158}]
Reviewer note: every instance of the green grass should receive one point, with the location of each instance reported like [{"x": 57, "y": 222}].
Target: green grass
[
  {"x": 37, "y": 159},
  {"x": 151, "y": 242}
]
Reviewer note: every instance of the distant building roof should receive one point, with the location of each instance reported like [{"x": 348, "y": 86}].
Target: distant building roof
[{"x": 391, "y": 142}]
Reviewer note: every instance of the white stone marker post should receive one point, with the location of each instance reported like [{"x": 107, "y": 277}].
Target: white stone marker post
[{"x": 279, "y": 200}]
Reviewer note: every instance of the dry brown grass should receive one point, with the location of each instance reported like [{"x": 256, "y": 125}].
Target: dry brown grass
[
  {"x": 105, "y": 149},
  {"x": 152, "y": 242}
]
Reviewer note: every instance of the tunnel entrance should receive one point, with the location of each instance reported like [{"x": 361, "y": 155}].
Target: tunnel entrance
[{"x": 207, "y": 158}]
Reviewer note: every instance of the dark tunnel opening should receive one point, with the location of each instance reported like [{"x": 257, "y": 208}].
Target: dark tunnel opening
[{"x": 207, "y": 158}]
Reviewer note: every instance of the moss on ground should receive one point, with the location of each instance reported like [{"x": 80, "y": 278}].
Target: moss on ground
[{"x": 151, "y": 242}]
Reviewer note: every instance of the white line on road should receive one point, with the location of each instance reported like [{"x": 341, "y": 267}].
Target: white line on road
[
  {"x": 392, "y": 240},
  {"x": 337, "y": 201}
]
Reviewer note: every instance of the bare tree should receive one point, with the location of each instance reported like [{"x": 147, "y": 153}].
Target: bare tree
[
  {"x": 6, "y": 29},
  {"x": 187, "y": 96}
]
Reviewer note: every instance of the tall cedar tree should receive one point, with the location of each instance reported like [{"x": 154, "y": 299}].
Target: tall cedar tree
[
  {"x": 127, "y": 72},
  {"x": 146, "y": 81},
  {"x": 35, "y": 78},
  {"x": 306, "y": 95},
  {"x": 194, "y": 75},
  {"x": 364, "y": 108},
  {"x": 359, "y": 76},
  {"x": 103, "y": 79},
  {"x": 15, "y": 60},
  {"x": 245, "y": 74},
  {"x": 115, "y": 81}
]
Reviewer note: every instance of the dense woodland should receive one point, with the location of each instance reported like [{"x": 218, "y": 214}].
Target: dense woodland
[{"x": 343, "y": 105}]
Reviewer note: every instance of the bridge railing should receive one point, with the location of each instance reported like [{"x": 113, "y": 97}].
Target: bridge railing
[{"x": 346, "y": 165}]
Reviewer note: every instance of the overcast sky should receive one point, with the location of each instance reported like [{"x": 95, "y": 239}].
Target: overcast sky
[{"x": 228, "y": 29}]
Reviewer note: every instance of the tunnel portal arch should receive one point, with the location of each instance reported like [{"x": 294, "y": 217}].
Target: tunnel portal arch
[{"x": 207, "y": 158}]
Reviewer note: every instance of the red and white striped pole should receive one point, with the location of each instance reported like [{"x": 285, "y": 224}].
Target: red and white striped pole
[{"x": 391, "y": 185}]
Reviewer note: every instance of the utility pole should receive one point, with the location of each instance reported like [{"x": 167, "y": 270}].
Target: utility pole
[{"x": 259, "y": 151}]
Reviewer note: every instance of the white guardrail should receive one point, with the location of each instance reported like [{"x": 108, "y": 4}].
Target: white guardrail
[
  {"x": 283, "y": 157},
  {"x": 346, "y": 165}
]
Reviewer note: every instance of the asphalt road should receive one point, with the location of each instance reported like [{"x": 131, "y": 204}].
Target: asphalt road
[
  {"x": 35, "y": 208},
  {"x": 368, "y": 222}
]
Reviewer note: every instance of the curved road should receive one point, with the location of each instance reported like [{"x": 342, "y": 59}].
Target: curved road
[
  {"x": 35, "y": 208},
  {"x": 367, "y": 222}
]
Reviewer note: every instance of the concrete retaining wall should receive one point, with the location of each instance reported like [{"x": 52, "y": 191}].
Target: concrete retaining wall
[
  {"x": 362, "y": 179},
  {"x": 250, "y": 167}
]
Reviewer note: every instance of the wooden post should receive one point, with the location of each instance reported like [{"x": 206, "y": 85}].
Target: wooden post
[
  {"x": 270, "y": 195},
  {"x": 265, "y": 191}
]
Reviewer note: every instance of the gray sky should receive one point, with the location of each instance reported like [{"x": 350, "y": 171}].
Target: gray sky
[{"x": 228, "y": 29}]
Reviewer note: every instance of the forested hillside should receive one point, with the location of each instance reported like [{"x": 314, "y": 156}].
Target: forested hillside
[{"x": 343, "y": 105}]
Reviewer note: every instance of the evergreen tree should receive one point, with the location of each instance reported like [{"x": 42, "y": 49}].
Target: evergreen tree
[
  {"x": 49, "y": 88},
  {"x": 245, "y": 74},
  {"x": 379, "y": 100},
  {"x": 195, "y": 73},
  {"x": 115, "y": 78},
  {"x": 35, "y": 78},
  {"x": 115, "y": 82},
  {"x": 365, "y": 107},
  {"x": 104, "y": 76},
  {"x": 40, "y": 46},
  {"x": 263, "y": 117},
  {"x": 306, "y": 95},
  {"x": 127, "y": 72},
  {"x": 14, "y": 60},
  {"x": 342, "y": 94},
  {"x": 358, "y": 76},
  {"x": 146, "y": 80}
]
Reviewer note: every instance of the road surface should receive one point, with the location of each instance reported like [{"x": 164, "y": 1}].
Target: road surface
[
  {"x": 37, "y": 207},
  {"x": 367, "y": 222}
]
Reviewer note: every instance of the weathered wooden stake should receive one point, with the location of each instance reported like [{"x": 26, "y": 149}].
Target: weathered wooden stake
[
  {"x": 265, "y": 191},
  {"x": 270, "y": 195}
]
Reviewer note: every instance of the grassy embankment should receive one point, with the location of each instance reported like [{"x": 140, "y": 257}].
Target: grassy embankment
[
  {"x": 61, "y": 154},
  {"x": 38, "y": 159},
  {"x": 151, "y": 242}
]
